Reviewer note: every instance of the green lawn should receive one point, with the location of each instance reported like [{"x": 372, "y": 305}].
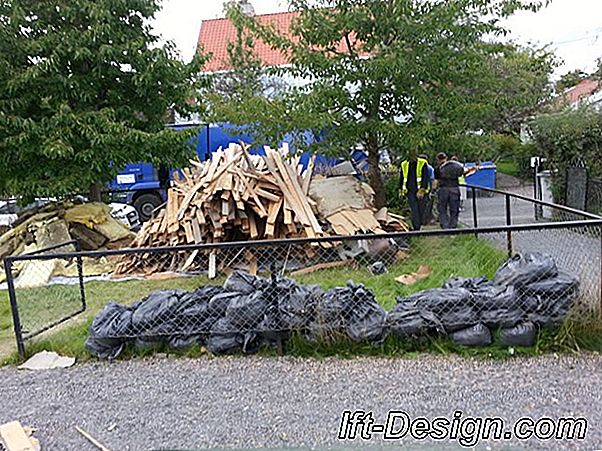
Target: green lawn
[{"x": 461, "y": 256}]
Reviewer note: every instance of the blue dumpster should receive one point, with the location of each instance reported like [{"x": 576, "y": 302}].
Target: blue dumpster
[{"x": 484, "y": 177}]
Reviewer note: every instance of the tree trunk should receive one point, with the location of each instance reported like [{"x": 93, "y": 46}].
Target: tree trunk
[
  {"x": 375, "y": 177},
  {"x": 95, "y": 194}
]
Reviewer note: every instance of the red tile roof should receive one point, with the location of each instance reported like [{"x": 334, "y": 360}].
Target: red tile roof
[
  {"x": 580, "y": 92},
  {"x": 216, "y": 34}
]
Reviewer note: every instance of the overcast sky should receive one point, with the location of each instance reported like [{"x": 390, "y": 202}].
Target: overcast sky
[{"x": 572, "y": 27}]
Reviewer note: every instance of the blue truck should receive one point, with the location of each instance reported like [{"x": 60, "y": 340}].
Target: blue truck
[{"x": 142, "y": 184}]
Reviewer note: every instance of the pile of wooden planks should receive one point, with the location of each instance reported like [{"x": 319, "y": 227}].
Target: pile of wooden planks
[{"x": 236, "y": 196}]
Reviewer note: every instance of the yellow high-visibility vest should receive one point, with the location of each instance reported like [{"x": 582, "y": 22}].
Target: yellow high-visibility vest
[{"x": 405, "y": 170}]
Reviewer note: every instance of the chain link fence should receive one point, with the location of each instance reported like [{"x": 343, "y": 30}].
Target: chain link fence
[
  {"x": 594, "y": 196},
  {"x": 234, "y": 297}
]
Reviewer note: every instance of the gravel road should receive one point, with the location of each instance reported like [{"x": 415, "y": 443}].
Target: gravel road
[{"x": 256, "y": 402}]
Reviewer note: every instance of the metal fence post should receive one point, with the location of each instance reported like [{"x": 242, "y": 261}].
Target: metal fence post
[
  {"x": 474, "y": 209},
  {"x": 8, "y": 267},
  {"x": 80, "y": 275},
  {"x": 508, "y": 223}
]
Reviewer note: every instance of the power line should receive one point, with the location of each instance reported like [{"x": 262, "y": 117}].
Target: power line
[{"x": 588, "y": 36}]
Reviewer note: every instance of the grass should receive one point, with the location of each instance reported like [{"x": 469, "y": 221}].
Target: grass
[{"x": 461, "y": 256}]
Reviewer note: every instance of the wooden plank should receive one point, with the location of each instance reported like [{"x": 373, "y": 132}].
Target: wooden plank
[
  {"x": 300, "y": 199},
  {"x": 188, "y": 198},
  {"x": 308, "y": 175},
  {"x": 288, "y": 215},
  {"x": 212, "y": 270},
  {"x": 188, "y": 231},
  {"x": 250, "y": 256},
  {"x": 172, "y": 219},
  {"x": 267, "y": 195},
  {"x": 92, "y": 440},
  {"x": 14, "y": 437},
  {"x": 200, "y": 217},
  {"x": 273, "y": 214},
  {"x": 196, "y": 231},
  {"x": 320, "y": 267},
  {"x": 253, "y": 227},
  {"x": 190, "y": 260},
  {"x": 225, "y": 211},
  {"x": 284, "y": 186},
  {"x": 303, "y": 200}
]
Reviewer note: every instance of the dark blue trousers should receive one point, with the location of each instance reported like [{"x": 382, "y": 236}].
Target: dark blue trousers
[
  {"x": 416, "y": 210},
  {"x": 449, "y": 207}
]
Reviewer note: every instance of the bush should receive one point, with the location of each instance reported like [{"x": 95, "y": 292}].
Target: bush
[
  {"x": 394, "y": 201},
  {"x": 568, "y": 137}
]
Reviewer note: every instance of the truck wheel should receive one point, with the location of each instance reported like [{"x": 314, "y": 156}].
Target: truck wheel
[{"x": 145, "y": 204}]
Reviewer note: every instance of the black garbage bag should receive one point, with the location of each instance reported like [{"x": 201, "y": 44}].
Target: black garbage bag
[
  {"x": 367, "y": 323},
  {"x": 156, "y": 315},
  {"x": 549, "y": 301},
  {"x": 560, "y": 286},
  {"x": 523, "y": 269},
  {"x": 206, "y": 292},
  {"x": 218, "y": 304},
  {"x": 272, "y": 328},
  {"x": 478, "y": 335},
  {"x": 496, "y": 297},
  {"x": 144, "y": 343},
  {"x": 297, "y": 306},
  {"x": 331, "y": 314},
  {"x": 246, "y": 311},
  {"x": 438, "y": 300},
  {"x": 190, "y": 314},
  {"x": 243, "y": 282},
  {"x": 458, "y": 318},
  {"x": 225, "y": 338},
  {"x": 361, "y": 295},
  {"x": 251, "y": 342},
  {"x": 110, "y": 331},
  {"x": 471, "y": 284},
  {"x": 521, "y": 335},
  {"x": 183, "y": 341},
  {"x": 502, "y": 317},
  {"x": 412, "y": 322},
  {"x": 335, "y": 306}
]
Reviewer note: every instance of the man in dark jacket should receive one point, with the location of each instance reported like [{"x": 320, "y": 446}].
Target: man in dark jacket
[
  {"x": 414, "y": 183},
  {"x": 447, "y": 176}
]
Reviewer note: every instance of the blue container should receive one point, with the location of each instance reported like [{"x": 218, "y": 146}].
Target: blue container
[{"x": 484, "y": 177}]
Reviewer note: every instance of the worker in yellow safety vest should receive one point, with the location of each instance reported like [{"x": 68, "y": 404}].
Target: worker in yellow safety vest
[{"x": 414, "y": 184}]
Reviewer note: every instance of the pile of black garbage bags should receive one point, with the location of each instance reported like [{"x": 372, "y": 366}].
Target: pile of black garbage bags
[{"x": 250, "y": 312}]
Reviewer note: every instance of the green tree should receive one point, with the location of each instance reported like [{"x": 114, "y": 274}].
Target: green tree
[
  {"x": 570, "y": 79},
  {"x": 519, "y": 88},
  {"x": 85, "y": 88},
  {"x": 400, "y": 75}
]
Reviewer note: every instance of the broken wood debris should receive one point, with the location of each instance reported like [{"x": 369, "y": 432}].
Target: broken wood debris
[{"x": 236, "y": 196}]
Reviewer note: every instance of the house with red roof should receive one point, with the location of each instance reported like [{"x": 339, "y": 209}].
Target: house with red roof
[
  {"x": 217, "y": 34},
  {"x": 587, "y": 92}
]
